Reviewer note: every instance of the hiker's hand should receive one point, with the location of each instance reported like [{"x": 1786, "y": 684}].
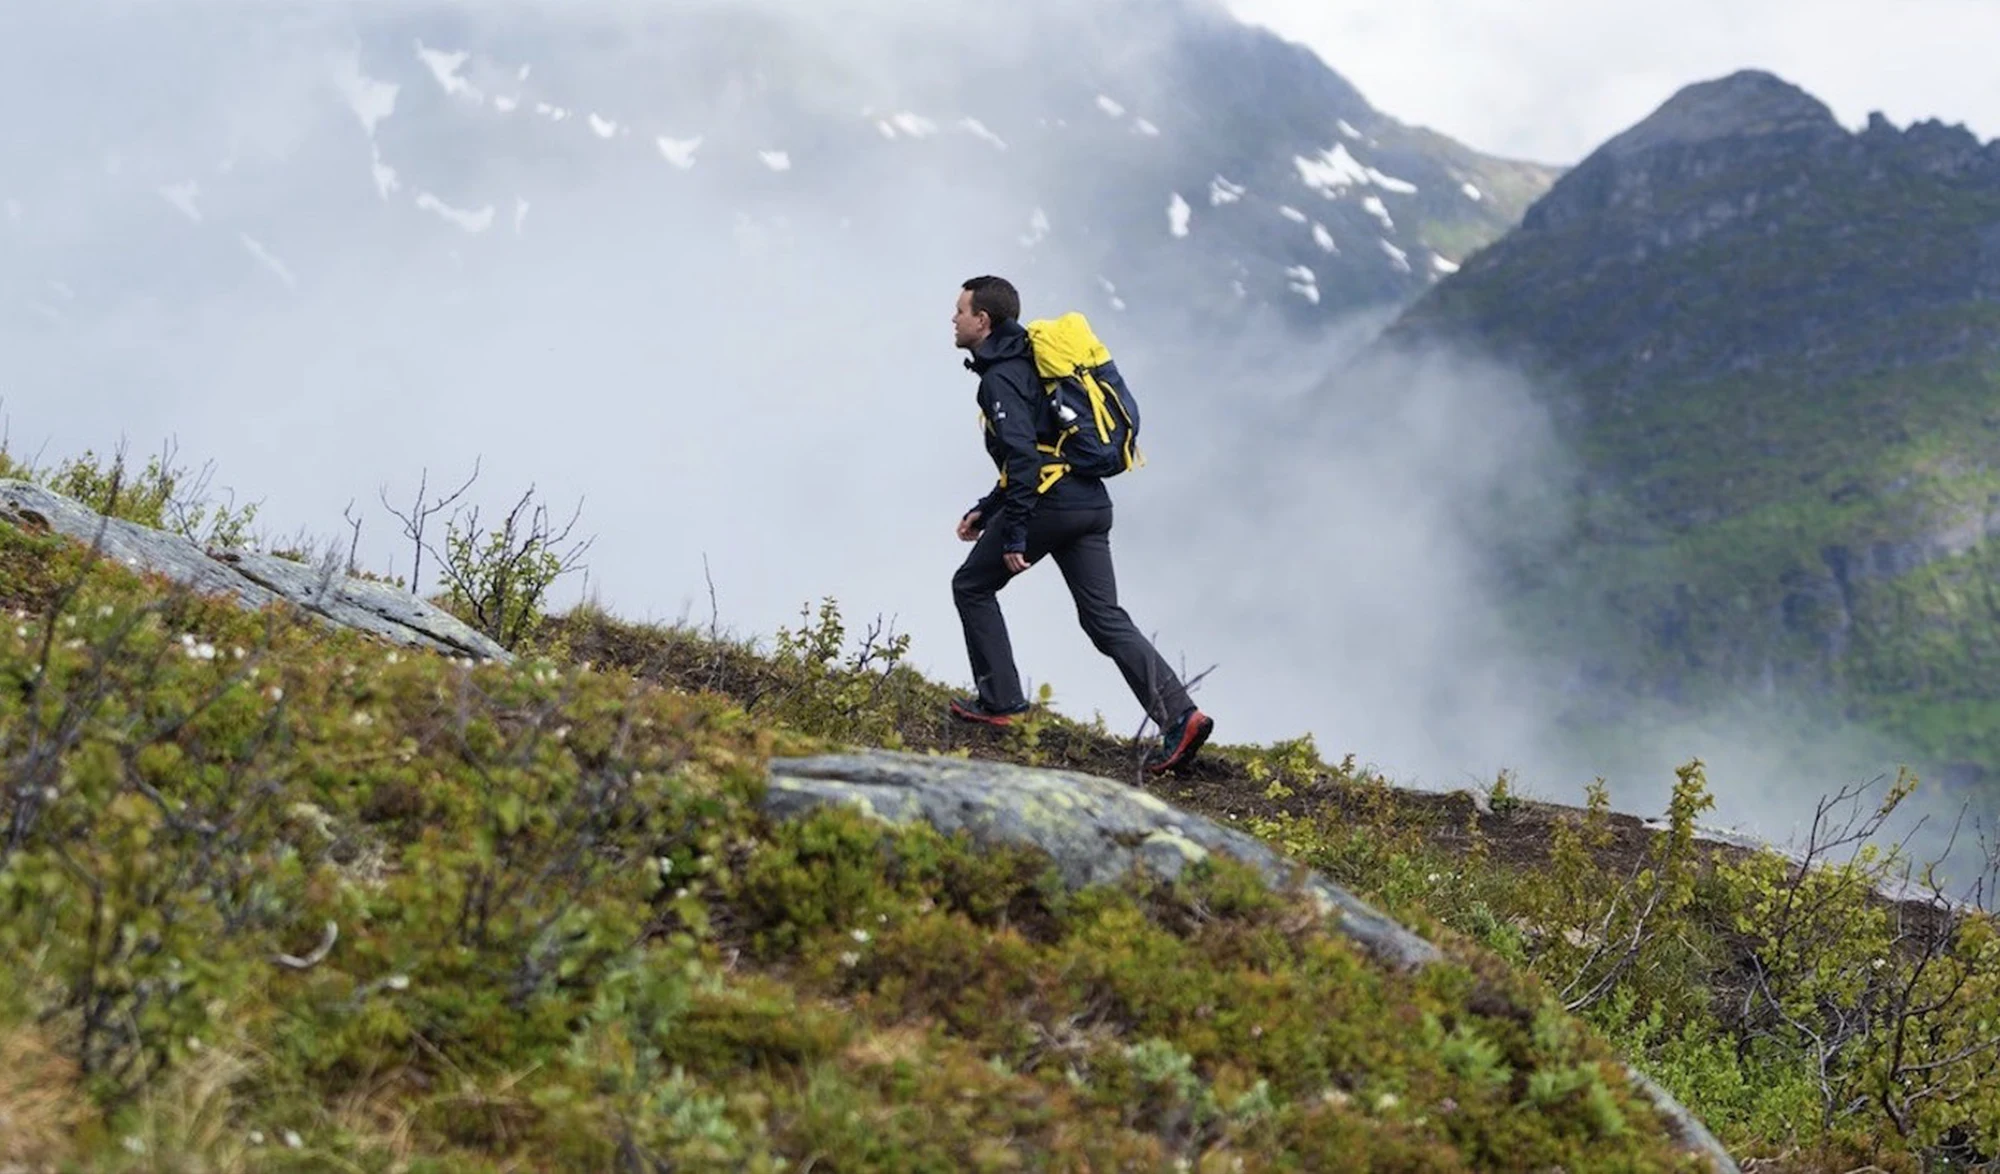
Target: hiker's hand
[
  {"x": 968, "y": 527},
  {"x": 1016, "y": 561}
]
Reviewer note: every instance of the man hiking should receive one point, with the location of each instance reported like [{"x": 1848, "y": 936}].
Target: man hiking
[{"x": 1024, "y": 518}]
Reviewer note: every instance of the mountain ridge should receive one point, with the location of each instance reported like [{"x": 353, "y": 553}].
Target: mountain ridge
[{"x": 1772, "y": 343}]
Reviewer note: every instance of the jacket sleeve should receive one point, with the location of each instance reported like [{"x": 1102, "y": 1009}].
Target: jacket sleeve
[{"x": 1013, "y": 415}]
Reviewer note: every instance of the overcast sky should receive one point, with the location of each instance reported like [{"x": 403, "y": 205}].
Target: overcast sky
[{"x": 1550, "y": 79}]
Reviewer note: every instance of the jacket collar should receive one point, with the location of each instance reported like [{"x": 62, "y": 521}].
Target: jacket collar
[{"x": 1009, "y": 340}]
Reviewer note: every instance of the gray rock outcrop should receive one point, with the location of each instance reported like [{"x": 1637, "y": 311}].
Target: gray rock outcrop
[
  {"x": 253, "y": 578},
  {"x": 1097, "y": 831}
]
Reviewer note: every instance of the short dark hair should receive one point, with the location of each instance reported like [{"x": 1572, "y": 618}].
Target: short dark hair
[{"x": 994, "y": 297}]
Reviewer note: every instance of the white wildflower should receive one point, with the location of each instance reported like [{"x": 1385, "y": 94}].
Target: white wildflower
[
  {"x": 275, "y": 693},
  {"x": 361, "y": 718},
  {"x": 134, "y": 1145},
  {"x": 293, "y": 1139},
  {"x": 104, "y": 611},
  {"x": 398, "y": 982},
  {"x": 850, "y": 959},
  {"x": 1386, "y": 1102},
  {"x": 256, "y": 1137},
  {"x": 860, "y": 935}
]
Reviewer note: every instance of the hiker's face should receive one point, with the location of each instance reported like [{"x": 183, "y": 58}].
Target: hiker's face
[{"x": 967, "y": 328}]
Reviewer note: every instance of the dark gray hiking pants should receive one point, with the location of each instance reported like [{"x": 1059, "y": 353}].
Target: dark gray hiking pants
[{"x": 1080, "y": 542}]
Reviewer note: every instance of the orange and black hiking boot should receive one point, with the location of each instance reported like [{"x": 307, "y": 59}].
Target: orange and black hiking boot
[
  {"x": 1179, "y": 745},
  {"x": 972, "y": 709}
]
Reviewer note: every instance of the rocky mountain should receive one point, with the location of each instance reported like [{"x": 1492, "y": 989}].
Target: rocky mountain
[
  {"x": 1184, "y": 160},
  {"x": 1774, "y": 344}
]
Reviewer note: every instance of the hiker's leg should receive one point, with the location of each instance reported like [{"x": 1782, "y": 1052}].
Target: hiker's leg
[
  {"x": 975, "y": 589},
  {"x": 1086, "y": 567}
]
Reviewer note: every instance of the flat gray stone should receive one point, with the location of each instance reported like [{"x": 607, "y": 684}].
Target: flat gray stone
[
  {"x": 1097, "y": 831},
  {"x": 254, "y": 579}
]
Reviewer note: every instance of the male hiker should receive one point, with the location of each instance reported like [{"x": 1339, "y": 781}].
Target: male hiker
[{"x": 1022, "y": 519}]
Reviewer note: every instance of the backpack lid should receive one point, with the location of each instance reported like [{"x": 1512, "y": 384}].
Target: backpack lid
[{"x": 1065, "y": 345}]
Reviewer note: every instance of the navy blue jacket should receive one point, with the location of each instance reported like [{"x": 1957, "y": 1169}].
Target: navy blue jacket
[{"x": 1014, "y": 413}]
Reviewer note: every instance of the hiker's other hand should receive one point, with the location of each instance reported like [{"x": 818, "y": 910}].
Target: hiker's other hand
[
  {"x": 1016, "y": 561},
  {"x": 968, "y": 527}
]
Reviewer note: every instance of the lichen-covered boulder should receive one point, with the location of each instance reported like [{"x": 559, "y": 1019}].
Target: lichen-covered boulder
[
  {"x": 1094, "y": 830},
  {"x": 254, "y": 579},
  {"x": 1097, "y": 831}
]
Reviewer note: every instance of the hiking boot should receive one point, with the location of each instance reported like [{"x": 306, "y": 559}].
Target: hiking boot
[
  {"x": 972, "y": 709},
  {"x": 1179, "y": 745}
]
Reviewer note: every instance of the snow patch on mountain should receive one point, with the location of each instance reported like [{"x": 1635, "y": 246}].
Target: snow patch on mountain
[
  {"x": 1323, "y": 238},
  {"x": 1143, "y": 127},
  {"x": 473, "y": 222},
  {"x": 444, "y": 67},
  {"x": 1110, "y": 106},
  {"x": 1443, "y": 264},
  {"x": 679, "y": 152},
  {"x": 182, "y": 196},
  {"x": 1111, "y": 292},
  {"x": 1472, "y": 191},
  {"x": 370, "y": 100},
  {"x": 1178, "y": 215},
  {"x": 520, "y": 214},
  {"x": 1332, "y": 172},
  {"x": 1301, "y": 280},
  {"x": 905, "y": 122},
  {"x": 270, "y": 262},
  {"x": 1375, "y": 208},
  {"x": 1292, "y": 214},
  {"x": 1347, "y": 128},
  {"x": 776, "y": 160},
  {"x": 1336, "y": 169},
  {"x": 604, "y": 127},
  {"x": 1038, "y": 228},
  {"x": 978, "y": 130},
  {"x": 1221, "y": 191}
]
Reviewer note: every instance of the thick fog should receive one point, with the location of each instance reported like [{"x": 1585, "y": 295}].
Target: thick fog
[{"x": 328, "y": 248}]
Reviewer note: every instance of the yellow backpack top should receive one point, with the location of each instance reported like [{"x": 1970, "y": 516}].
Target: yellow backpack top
[{"x": 1095, "y": 417}]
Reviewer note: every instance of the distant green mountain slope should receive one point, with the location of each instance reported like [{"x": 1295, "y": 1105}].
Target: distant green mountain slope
[{"x": 1775, "y": 345}]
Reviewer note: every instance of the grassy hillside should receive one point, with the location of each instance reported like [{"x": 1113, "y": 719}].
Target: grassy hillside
[{"x": 276, "y": 898}]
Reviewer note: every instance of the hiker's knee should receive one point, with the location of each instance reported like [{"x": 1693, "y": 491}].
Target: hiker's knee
[
  {"x": 1104, "y": 626},
  {"x": 968, "y": 586}
]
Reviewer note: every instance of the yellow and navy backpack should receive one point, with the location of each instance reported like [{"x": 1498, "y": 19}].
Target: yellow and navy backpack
[{"x": 1095, "y": 418}]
